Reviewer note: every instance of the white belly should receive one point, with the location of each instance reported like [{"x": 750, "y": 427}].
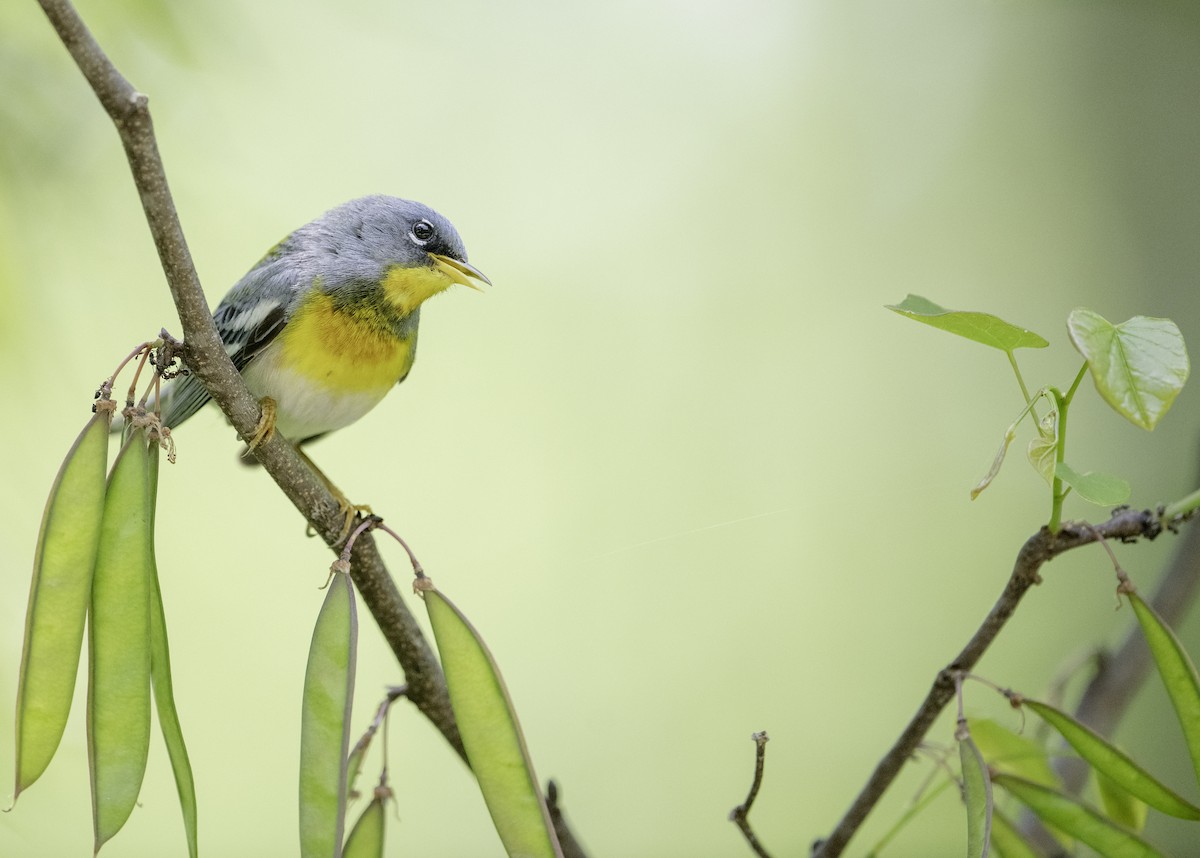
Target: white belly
[{"x": 303, "y": 408}]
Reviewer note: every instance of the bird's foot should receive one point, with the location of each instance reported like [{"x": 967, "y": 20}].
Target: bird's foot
[
  {"x": 266, "y": 423},
  {"x": 349, "y": 512}
]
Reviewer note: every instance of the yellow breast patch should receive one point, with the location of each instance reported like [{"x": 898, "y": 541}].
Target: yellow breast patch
[
  {"x": 407, "y": 288},
  {"x": 344, "y": 351}
]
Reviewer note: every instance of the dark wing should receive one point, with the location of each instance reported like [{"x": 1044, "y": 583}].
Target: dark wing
[{"x": 246, "y": 328}]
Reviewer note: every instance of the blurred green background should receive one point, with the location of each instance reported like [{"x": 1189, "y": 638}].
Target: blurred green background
[{"x": 679, "y": 466}]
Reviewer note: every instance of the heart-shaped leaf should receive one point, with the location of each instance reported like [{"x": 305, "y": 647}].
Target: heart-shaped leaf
[
  {"x": 1043, "y": 448},
  {"x": 1138, "y": 366}
]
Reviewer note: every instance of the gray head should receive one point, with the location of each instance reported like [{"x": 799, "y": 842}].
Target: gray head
[
  {"x": 371, "y": 242},
  {"x": 376, "y": 231}
]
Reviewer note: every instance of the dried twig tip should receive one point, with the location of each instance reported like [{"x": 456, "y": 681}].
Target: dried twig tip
[
  {"x": 739, "y": 816},
  {"x": 422, "y": 583}
]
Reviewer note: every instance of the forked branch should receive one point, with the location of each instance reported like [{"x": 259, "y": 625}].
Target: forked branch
[{"x": 1043, "y": 546}]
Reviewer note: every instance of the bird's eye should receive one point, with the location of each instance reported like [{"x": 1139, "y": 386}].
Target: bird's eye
[{"x": 422, "y": 231}]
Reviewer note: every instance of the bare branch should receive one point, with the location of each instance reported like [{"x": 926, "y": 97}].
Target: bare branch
[
  {"x": 1043, "y": 546},
  {"x": 571, "y": 848},
  {"x": 740, "y": 815},
  {"x": 205, "y": 356}
]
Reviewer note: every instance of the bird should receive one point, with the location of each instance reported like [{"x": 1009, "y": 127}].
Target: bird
[{"x": 325, "y": 324}]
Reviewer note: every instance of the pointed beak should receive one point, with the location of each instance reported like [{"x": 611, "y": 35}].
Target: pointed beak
[{"x": 459, "y": 272}]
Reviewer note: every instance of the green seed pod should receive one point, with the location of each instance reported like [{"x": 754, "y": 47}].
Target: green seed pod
[
  {"x": 58, "y": 600},
  {"x": 491, "y": 734},
  {"x": 325, "y": 722},
  {"x": 119, "y": 643}
]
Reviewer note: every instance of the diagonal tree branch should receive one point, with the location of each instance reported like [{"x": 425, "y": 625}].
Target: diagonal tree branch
[
  {"x": 205, "y": 356},
  {"x": 1039, "y": 549},
  {"x": 1121, "y": 673}
]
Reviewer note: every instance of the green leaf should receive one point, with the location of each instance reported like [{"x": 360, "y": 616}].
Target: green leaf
[
  {"x": 977, "y": 795},
  {"x": 58, "y": 600},
  {"x": 160, "y": 681},
  {"x": 491, "y": 734},
  {"x": 1138, "y": 366},
  {"x": 1114, "y": 763},
  {"x": 1122, "y": 807},
  {"x": 1094, "y": 487},
  {"x": 997, "y": 462},
  {"x": 366, "y": 837},
  {"x": 354, "y": 764},
  {"x": 1007, "y": 840},
  {"x": 1177, "y": 671},
  {"x": 1008, "y": 752},
  {"x": 1044, "y": 448},
  {"x": 912, "y": 812},
  {"x": 119, "y": 643},
  {"x": 1077, "y": 819},
  {"x": 325, "y": 722},
  {"x": 980, "y": 327},
  {"x": 1011, "y": 753}
]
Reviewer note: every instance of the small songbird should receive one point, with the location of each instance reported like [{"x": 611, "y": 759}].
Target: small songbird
[{"x": 326, "y": 323}]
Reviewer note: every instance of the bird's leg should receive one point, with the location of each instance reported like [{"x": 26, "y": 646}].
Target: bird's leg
[
  {"x": 349, "y": 510},
  {"x": 266, "y": 423}
]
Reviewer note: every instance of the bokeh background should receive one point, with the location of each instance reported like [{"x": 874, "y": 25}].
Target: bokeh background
[{"x": 680, "y": 466}]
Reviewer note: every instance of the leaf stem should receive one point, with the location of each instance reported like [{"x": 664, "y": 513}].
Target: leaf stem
[
  {"x": 1058, "y": 493},
  {"x": 1181, "y": 508},
  {"x": 1075, "y": 384},
  {"x": 1012, "y": 360}
]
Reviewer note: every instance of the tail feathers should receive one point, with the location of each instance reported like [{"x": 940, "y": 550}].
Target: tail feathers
[{"x": 181, "y": 398}]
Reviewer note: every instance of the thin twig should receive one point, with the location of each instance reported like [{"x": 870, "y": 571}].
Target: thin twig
[
  {"x": 360, "y": 747},
  {"x": 205, "y": 356},
  {"x": 740, "y": 815},
  {"x": 137, "y": 374},
  {"x": 1043, "y": 546},
  {"x": 106, "y": 387},
  {"x": 412, "y": 558},
  {"x": 571, "y": 847}
]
